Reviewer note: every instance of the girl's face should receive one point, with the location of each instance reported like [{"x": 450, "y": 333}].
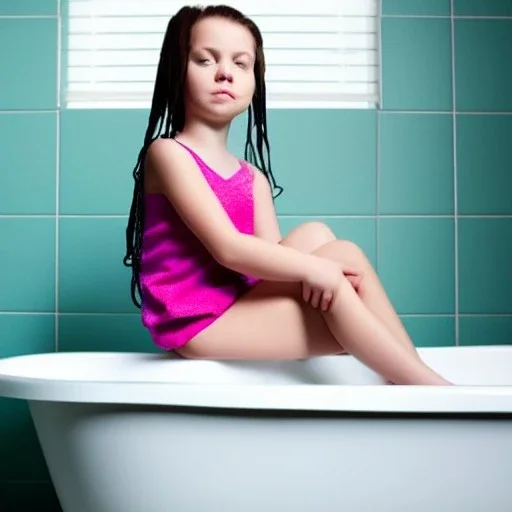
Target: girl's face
[{"x": 220, "y": 72}]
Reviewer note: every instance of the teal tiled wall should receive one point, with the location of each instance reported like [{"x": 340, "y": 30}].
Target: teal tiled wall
[{"x": 422, "y": 185}]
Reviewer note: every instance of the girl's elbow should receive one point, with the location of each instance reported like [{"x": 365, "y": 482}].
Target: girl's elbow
[{"x": 227, "y": 251}]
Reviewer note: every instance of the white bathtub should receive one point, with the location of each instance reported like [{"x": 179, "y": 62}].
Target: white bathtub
[{"x": 148, "y": 433}]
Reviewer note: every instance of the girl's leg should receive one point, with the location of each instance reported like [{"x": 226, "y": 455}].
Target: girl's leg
[
  {"x": 367, "y": 338},
  {"x": 369, "y": 288},
  {"x": 309, "y": 236},
  {"x": 312, "y": 236},
  {"x": 273, "y": 322}
]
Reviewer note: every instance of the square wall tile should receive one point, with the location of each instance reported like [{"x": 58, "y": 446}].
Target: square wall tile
[
  {"x": 482, "y": 8},
  {"x": 485, "y": 265},
  {"x": 28, "y": 164},
  {"x": 430, "y": 331},
  {"x": 27, "y": 274},
  {"x": 417, "y": 264},
  {"x": 104, "y": 333},
  {"x": 486, "y": 330},
  {"x": 416, "y": 7},
  {"x": 26, "y": 334},
  {"x": 325, "y": 160},
  {"x": 29, "y": 63},
  {"x": 361, "y": 231},
  {"x": 99, "y": 150},
  {"x": 21, "y": 457},
  {"x": 416, "y": 164},
  {"x": 28, "y": 7},
  {"x": 484, "y": 163},
  {"x": 92, "y": 277},
  {"x": 416, "y": 64},
  {"x": 483, "y": 75}
]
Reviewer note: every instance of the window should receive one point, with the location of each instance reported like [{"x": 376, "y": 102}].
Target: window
[{"x": 320, "y": 53}]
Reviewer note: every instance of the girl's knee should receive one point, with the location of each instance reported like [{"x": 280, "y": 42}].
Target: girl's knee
[
  {"x": 352, "y": 252},
  {"x": 319, "y": 231},
  {"x": 309, "y": 236}
]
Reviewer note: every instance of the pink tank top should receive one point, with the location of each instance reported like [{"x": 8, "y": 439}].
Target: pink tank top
[{"x": 184, "y": 289}]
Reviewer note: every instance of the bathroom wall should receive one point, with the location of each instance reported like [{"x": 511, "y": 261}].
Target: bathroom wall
[{"x": 422, "y": 185}]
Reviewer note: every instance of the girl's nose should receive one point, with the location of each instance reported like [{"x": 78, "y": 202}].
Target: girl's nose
[{"x": 223, "y": 74}]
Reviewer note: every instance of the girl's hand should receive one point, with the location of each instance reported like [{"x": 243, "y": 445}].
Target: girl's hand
[{"x": 321, "y": 283}]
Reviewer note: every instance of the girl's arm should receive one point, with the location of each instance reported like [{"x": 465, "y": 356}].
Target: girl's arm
[
  {"x": 266, "y": 225},
  {"x": 185, "y": 187}
]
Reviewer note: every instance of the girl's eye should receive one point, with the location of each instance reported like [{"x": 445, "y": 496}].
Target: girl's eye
[
  {"x": 203, "y": 61},
  {"x": 241, "y": 64}
]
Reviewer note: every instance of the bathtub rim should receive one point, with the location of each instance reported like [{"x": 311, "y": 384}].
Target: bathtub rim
[
  {"x": 358, "y": 398},
  {"x": 315, "y": 397}
]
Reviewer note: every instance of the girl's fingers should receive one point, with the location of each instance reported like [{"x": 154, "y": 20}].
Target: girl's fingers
[
  {"x": 316, "y": 298},
  {"x": 306, "y": 292}
]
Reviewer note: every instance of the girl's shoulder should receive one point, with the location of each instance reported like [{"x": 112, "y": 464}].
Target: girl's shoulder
[{"x": 255, "y": 170}]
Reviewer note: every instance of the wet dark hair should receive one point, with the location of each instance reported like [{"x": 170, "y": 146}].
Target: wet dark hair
[{"x": 168, "y": 106}]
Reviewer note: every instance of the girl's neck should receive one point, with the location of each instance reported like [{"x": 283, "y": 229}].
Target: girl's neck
[{"x": 204, "y": 136}]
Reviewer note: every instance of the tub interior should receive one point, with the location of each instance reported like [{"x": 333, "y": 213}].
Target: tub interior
[{"x": 476, "y": 365}]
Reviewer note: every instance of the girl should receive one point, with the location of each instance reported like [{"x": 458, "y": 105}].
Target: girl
[{"x": 215, "y": 277}]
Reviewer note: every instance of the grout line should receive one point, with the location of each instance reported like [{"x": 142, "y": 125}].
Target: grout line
[
  {"x": 41, "y": 111},
  {"x": 93, "y": 216},
  {"x": 57, "y": 175},
  {"x": 99, "y": 313},
  {"x": 380, "y": 216},
  {"x": 446, "y": 16},
  {"x": 426, "y": 315},
  {"x": 415, "y": 16},
  {"x": 35, "y": 313},
  {"x": 460, "y": 315},
  {"x": 455, "y": 178},
  {"x": 461, "y": 17},
  {"x": 136, "y": 314},
  {"x": 449, "y": 112},
  {"x": 67, "y": 313},
  {"x": 377, "y": 196},
  {"x": 386, "y": 111},
  {"x": 416, "y": 112},
  {"x": 286, "y": 216},
  {"x": 27, "y": 216},
  {"x": 402, "y": 216},
  {"x": 471, "y": 216},
  {"x": 406, "y": 16},
  {"x": 483, "y": 113},
  {"x": 479, "y": 315},
  {"x": 378, "y": 141},
  {"x": 28, "y": 16}
]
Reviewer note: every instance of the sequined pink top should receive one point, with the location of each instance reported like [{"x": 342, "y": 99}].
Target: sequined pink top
[{"x": 184, "y": 289}]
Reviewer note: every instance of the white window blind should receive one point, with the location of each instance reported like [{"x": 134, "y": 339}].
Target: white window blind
[{"x": 319, "y": 53}]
